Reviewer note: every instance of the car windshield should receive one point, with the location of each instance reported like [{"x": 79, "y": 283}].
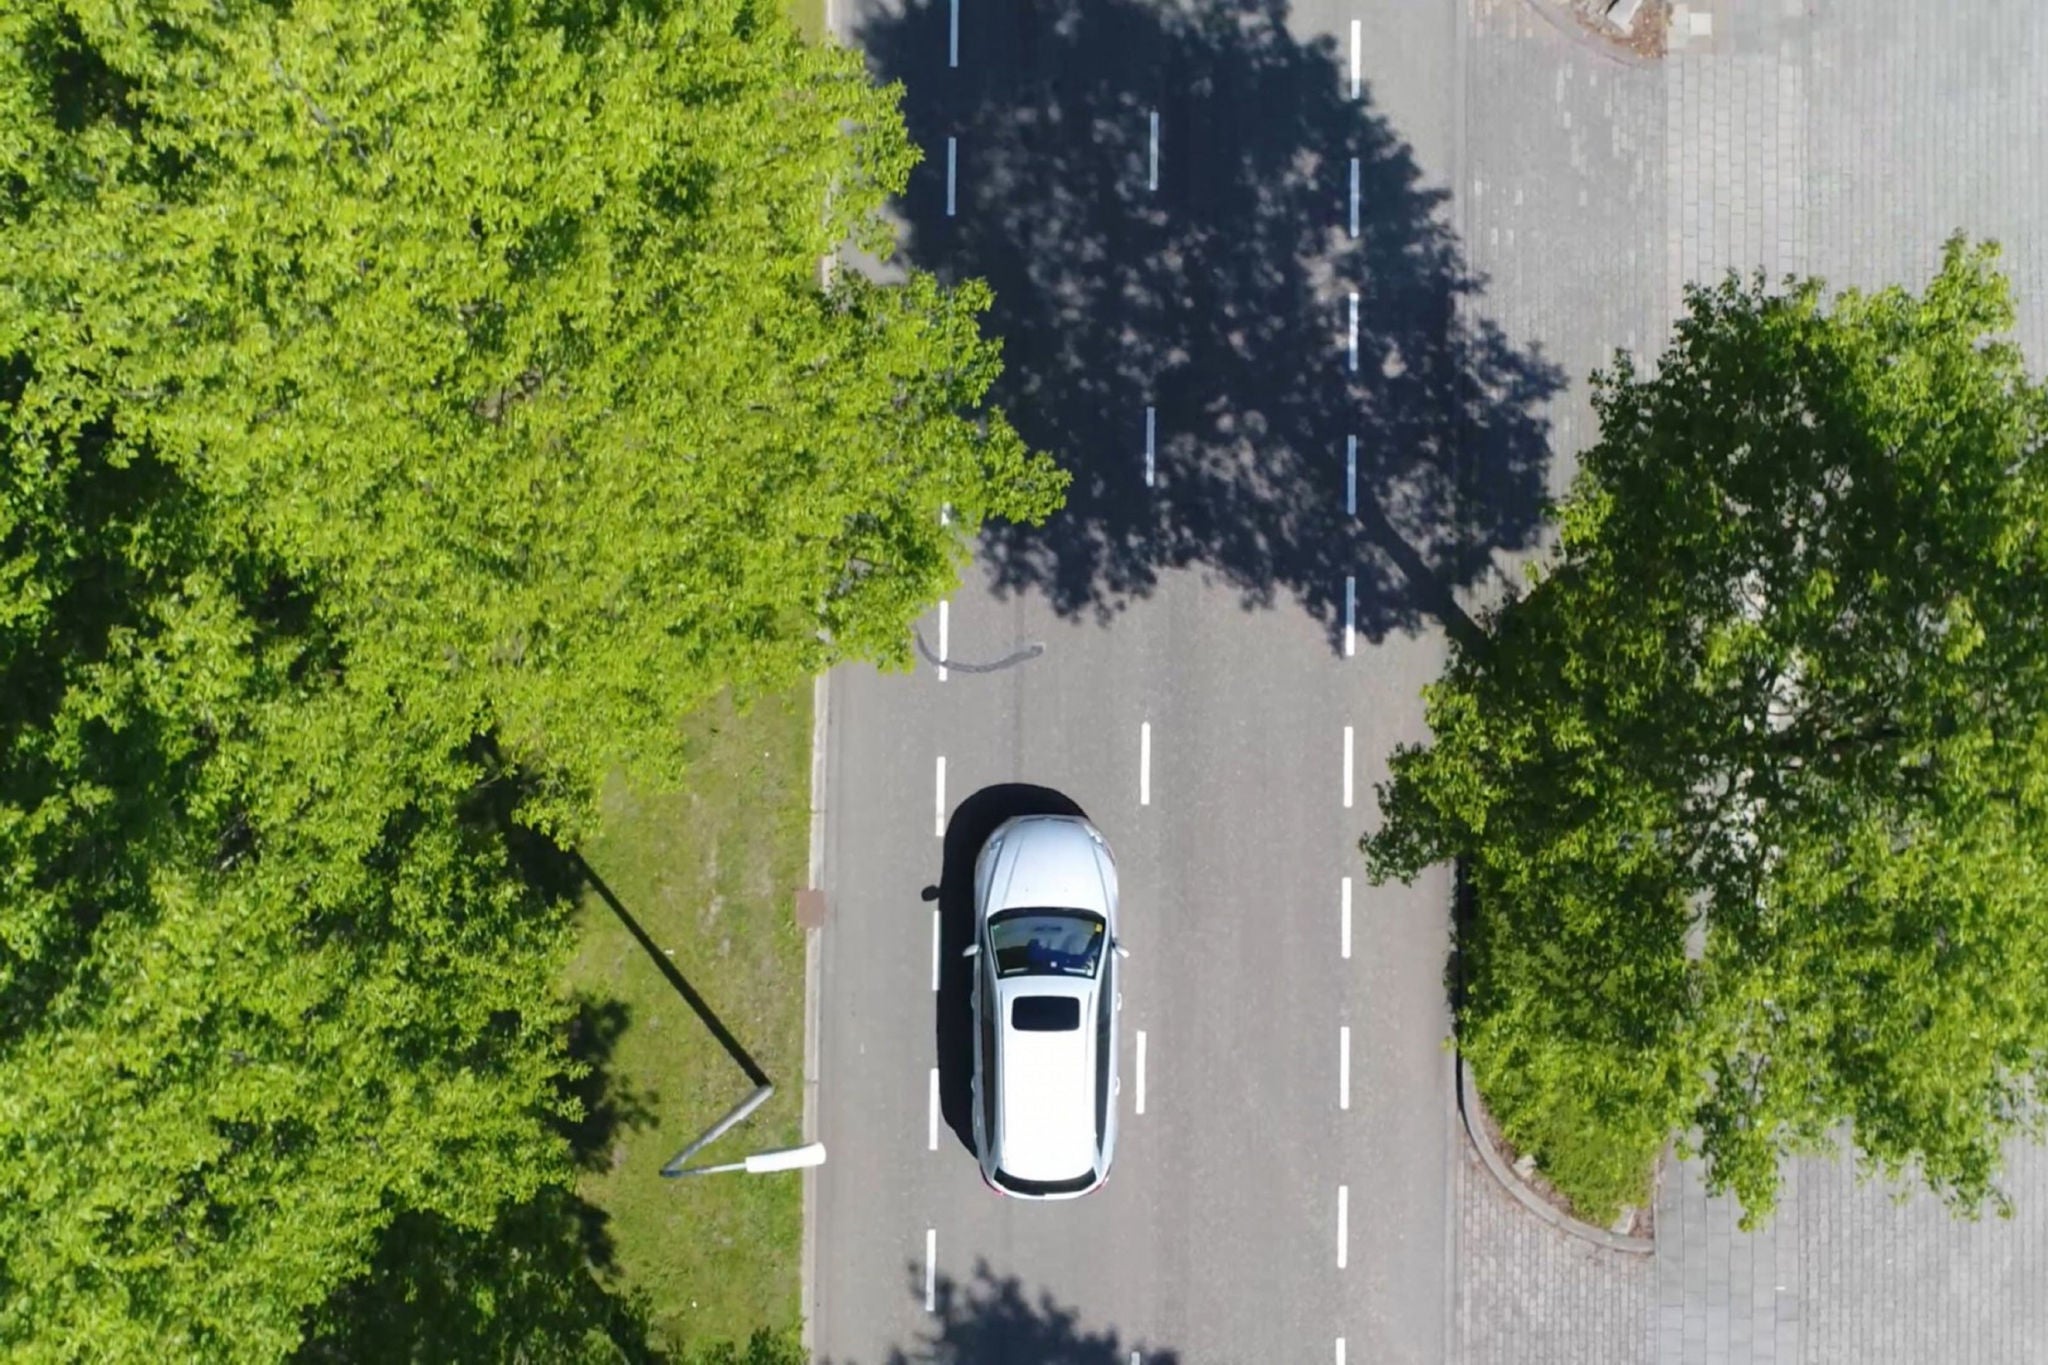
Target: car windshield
[{"x": 1046, "y": 942}]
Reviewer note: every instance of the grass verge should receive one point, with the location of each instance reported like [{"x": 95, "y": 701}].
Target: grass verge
[
  {"x": 809, "y": 16},
  {"x": 708, "y": 875}
]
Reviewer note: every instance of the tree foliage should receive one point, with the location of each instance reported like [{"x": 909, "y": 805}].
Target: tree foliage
[
  {"x": 404, "y": 406},
  {"x": 1751, "y": 786},
  {"x": 499, "y": 326}
]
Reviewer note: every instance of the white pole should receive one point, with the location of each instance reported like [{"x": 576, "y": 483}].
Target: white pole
[{"x": 764, "y": 1163}]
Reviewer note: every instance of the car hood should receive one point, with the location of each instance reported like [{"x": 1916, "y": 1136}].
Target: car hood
[{"x": 1052, "y": 864}]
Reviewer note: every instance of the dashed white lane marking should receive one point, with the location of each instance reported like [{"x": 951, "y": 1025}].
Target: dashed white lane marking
[
  {"x": 1351, "y": 344},
  {"x": 1141, "y": 1071},
  {"x": 1350, "y": 618},
  {"x": 1343, "y": 1226},
  {"x": 1343, "y": 1067},
  {"x": 1351, "y": 476},
  {"x": 1340, "y": 1351},
  {"x": 1354, "y": 191},
  {"x": 1345, "y": 899},
  {"x": 1347, "y": 767},
  {"x": 939, "y": 802},
  {"x": 945, "y": 635},
  {"x": 935, "y": 949},
  {"x": 931, "y": 1269},
  {"x": 1152, "y": 174},
  {"x": 953, "y": 37},
  {"x": 1357, "y": 66},
  {"x": 1145, "y": 763},
  {"x": 931, "y": 1122},
  {"x": 952, "y": 168},
  {"x": 1151, "y": 441}
]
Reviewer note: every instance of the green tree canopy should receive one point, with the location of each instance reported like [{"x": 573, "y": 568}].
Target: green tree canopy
[
  {"x": 405, "y": 407},
  {"x": 1751, "y": 787},
  {"x": 499, "y": 327}
]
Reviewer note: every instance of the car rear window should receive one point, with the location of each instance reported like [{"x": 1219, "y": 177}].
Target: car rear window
[
  {"x": 1042, "y": 1188},
  {"x": 1045, "y": 1013}
]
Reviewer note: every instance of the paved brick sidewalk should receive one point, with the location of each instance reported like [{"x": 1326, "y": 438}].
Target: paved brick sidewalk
[
  {"x": 1846, "y": 1275},
  {"x": 1845, "y": 138},
  {"x": 1532, "y": 1295}
]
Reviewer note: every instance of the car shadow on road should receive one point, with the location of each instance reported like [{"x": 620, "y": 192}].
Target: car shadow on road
[
  {"x": 953, "y": 1018},
  {"x": 991, "y": 1320},
  {"x": 1221, "y": 300}
]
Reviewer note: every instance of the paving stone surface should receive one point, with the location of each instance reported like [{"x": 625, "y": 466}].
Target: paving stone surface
[
  {"x": 1847, "y": 139},
  {"x": 1530, "y": 1295}
]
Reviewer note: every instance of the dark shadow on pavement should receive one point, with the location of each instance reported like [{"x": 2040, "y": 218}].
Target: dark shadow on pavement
[
  {"x": 1221, "y": 300},
  {"x": 973, "y": 821},
  {"x": 992, "y": 1321}
]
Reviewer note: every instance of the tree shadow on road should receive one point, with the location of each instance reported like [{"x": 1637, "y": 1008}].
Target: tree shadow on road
[
  {"x": 1221, "y": 300},
  {"x": 992, "y": 1321},
  {"x": 953, "y": 1019}
]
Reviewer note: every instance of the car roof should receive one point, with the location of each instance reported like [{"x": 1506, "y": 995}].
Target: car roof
[{"x": 1048, "y": 1088}]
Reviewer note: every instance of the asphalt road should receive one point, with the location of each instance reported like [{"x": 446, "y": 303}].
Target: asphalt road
[{"x": 1258, "y": 614}]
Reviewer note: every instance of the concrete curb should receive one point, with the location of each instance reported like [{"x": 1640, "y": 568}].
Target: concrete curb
[
  {"x": 821, "y": 710},
  {"x": 1469, "y": 1108},
  {"x": 807, "y": 1275}
]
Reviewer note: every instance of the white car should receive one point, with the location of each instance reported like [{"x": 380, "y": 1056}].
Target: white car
[{"x": 1045, "y": 1007}]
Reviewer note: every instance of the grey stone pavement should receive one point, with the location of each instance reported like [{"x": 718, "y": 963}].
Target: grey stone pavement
[{"x": 1847, "y": 139}]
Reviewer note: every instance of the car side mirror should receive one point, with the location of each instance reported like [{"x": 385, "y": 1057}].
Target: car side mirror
[
  {"x": 1122, "y": 951},
  {"x": 970, "y": 950}
]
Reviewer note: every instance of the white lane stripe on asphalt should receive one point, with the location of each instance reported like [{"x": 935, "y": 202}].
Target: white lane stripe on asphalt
[
  {"x": 1347, "y": 767},
  {"x": 1357, "y": 69},
  {"x": 945, "y": 636},
  {"x": 1345, "y": 898},
  {"x": 1350, "y": 617},
  {"x": 931, "y": 1122},
  {"x": 1151, "y": 441},
  {"x": 1152, "y": 174},
  {"x": 939, "y": 803},
  {"x": 1352, "y": 343},
  {"x": 1343, "y": 1226},
  {"x": 931, "y": 1269},
  {"x": 952, "y": 167},
  {"x": 1354, "y": 191},
  {"x": 953, "y": 40},
  {"x": 1340, "y": 1351},
  {"x": 1343, "y": 1067},
  {"x": 1141, "y": 1071},
  {"x": 935, "y": 949},
  {"x": 1145, "y": 763},
  {"x": 1350, "y": 476}
]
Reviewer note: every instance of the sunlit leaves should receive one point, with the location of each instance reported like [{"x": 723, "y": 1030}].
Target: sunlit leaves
[
  {"x": 404, "y": 406},
  {"x": 1784, "y": 694}
]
